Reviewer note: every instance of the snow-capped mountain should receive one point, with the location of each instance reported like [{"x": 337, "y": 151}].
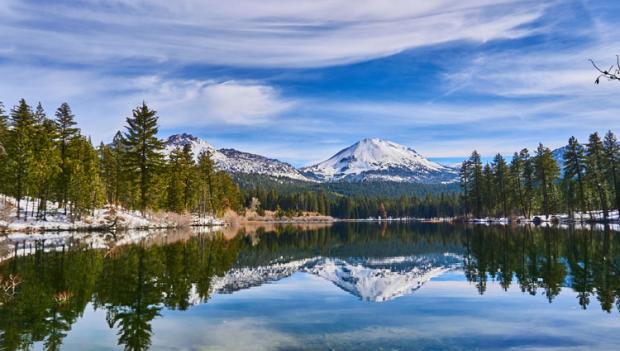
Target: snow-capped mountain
[
  {"x": 370, "y": 279},
  {"x": 368, "y": 159},
  {"x": 377, "y": 159},
  {"x": 234, "y": 161}
]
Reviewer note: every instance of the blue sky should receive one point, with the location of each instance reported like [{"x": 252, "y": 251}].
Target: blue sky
[{"x": 299, "y": 80}]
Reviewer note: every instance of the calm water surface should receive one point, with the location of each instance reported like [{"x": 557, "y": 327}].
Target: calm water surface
[{"x": 351, "y": 286}]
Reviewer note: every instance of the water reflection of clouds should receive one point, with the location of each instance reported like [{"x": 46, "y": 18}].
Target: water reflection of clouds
[{"x": 442, "y": 314}]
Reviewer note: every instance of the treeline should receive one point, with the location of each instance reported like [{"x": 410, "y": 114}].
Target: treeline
[
  {"x": 342, "y": 206},
  {"x": 588, "y": 180},
  {"x": 48, "y": 160}
]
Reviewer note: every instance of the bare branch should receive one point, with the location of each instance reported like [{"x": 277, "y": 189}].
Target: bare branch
[{"x": 613, "y": 73}]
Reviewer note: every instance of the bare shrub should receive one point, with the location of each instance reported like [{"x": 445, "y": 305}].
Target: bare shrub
[
  {"x": 8, "y": 286},
  {"x": 170, "y": 218},
  {"x": 6, "y": 209},
  {"x": 232, "y": 218}
]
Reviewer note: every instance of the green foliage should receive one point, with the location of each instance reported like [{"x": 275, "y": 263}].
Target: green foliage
[
  {"x": 143, "y": 154},
  {"x": 590, "y": 177},
  {"x": 44, "y": 160}
]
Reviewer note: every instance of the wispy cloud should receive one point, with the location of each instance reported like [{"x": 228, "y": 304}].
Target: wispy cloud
[
  {"x": 300, "y": 80},
  {"x": 102, "y": 102},
  {"x": 264, "y": 33}
]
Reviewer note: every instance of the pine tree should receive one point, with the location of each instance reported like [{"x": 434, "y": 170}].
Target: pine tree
[
  {"x": 528, "y": 180},
  {"x": 206, "y": 180},
  {"x": 489, "y": 192},
  {"x": 476, "y": 183},
  {"x": 189, "y": 177},
  {"x": 464, "y": 180},
  {"x": 575, "y": 168},
  {"x": 143, "y": 154},
  {"x": 109, "y": 174},
  {"x": 547, "y": 171},
  {"x": 501, "y": 177},
  {"x": 46, "y": 160},
  {"x": 85, "y": 190},
  {"x": 612, "y": 161},
  {"x": 595, "y": 168},
  {"x": 175, "y": 189},
  {"x": 517, "y": 186},
  {"x": 66, "y": 130},
  {"x": 20, "y": 151},
  {"x": 4, "y": 133}
]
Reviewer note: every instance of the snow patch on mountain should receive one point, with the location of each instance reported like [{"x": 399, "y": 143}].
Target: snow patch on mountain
[
  {"x": 377, "y": 159},
  {"x": 234, "y": 161}
]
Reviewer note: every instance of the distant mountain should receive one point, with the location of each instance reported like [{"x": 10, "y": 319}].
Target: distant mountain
[
  {"x": 558, "y": 155},
  {"x": 377, "y": 159},
  {"x": 234, "y": 161}
]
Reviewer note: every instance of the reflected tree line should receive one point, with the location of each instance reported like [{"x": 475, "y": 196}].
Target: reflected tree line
[
  {"x": 131, "y": 284},
  {"x": 134, "y": 284},
  {"x": 544, "y": 260}
]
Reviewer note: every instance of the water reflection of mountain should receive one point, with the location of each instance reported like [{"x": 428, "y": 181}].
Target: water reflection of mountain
[
  {"x": 372, "y": 279},
  {"x": 134, "y": 283}
]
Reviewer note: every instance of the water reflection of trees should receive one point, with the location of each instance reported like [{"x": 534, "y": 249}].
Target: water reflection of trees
[
  {"x": 133, "y": 284},
  {"x": 546, "y": 260}
]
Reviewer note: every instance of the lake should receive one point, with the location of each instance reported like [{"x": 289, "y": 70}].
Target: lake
[{"x": 348, "y": 286}]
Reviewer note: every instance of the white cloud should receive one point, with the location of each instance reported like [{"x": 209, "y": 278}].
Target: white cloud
[
  {"x": 101, "y": 103},
  {"x": 255, "y": 33},
  {"x": 198, "y": 103}
]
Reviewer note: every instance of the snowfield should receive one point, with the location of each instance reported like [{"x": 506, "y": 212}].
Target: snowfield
[{"x": 107, "y": 218}]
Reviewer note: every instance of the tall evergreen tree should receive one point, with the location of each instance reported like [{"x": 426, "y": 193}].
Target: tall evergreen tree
[
  {"x": 596, "y": 166},
  {"x": 528, "y": 180},
  {"x": 4, "y": 132},
  {"x": 85, "y": 191},
  {"x": 547, "y": 171},
  {"x": 489, "y": 192},
  {"x": 20, "y": 151},
  {"x": 477, "y": 183},
  {"x": 46, "y": 160},
  {"x": 65, "y": 124},
  {"x": 189, "y": 177},
  {"x": 501, "y": 175},
  {"x": 143, "y": 154},
  {"x": 612, "y": 161},
  {"x": 175, "y": 188},
  {"x": 575, "y": 168},
  {"x": 206, "y": 179},
  {"x": 464, "y": 180},
  {"x": 517, "y": 183}
]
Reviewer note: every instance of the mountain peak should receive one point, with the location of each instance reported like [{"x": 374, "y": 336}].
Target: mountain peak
[
  {"x": 181, "y": 139},
  {"x": 379, "y": 159}
]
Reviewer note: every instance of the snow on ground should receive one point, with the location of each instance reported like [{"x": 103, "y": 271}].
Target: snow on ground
[
  {"x": 559, "y": 217},
  {"x": 109, "y": 217}
]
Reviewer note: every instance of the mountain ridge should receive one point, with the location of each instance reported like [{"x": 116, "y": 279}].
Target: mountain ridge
[{"x": 370, "y": 159}]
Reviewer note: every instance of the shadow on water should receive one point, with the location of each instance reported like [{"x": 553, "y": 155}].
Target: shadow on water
[{"x": 134, "y": 283}]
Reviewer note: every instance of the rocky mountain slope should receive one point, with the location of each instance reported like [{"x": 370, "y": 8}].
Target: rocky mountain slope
[
  {"x": 377, "y": 159},
  {"x": 366, "y": 160}
]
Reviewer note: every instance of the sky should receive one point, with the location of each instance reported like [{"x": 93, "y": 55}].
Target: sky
[{"x": 300, "y": 80}]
